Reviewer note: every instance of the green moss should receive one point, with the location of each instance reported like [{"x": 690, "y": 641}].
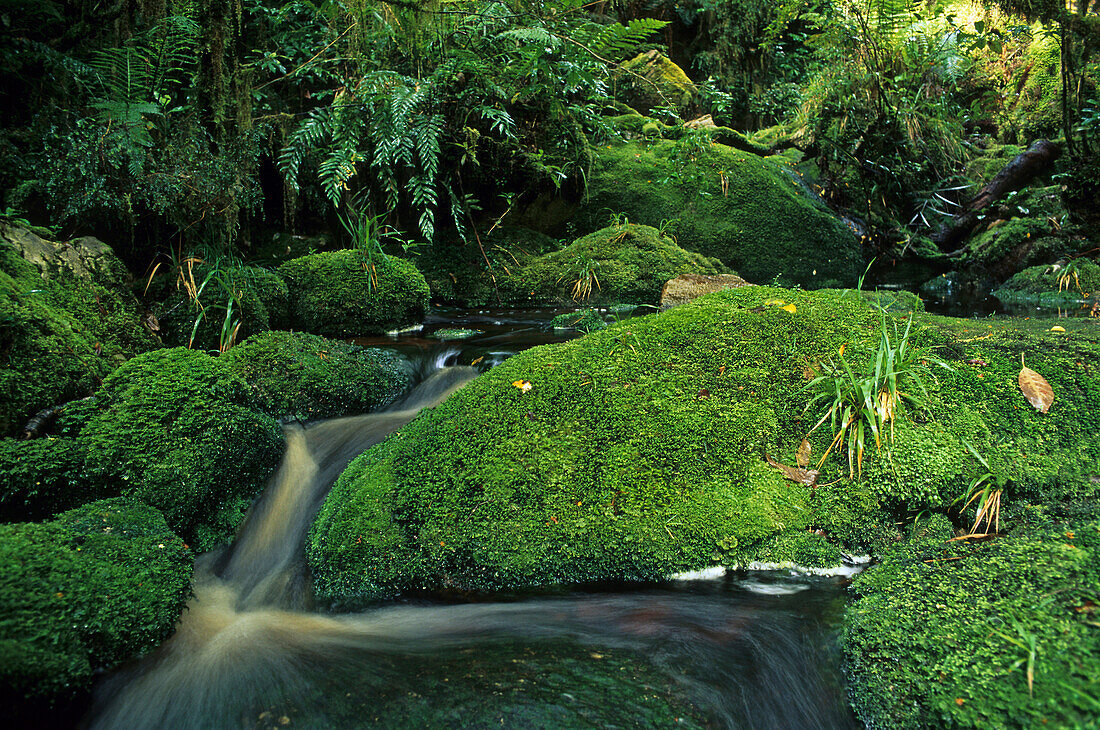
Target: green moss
[
  {"x": 85, "y": 592},
  {"x": 333, "y": 293},
  {"x": 801, "y": 548},
  {"x": 60, "y": 334},
  {"x": 941, "y": 633},
  {"x": 259, "y": 303},
  {"x": 586, "y": 320},
  {"x": 621, "y": 262},
  {"x": 41, "y": 477},
  {"x": 637, "y": 452},
  {"x": 1043, "y": 284},
  {"x": 662, "y": 82},
  {"x": 1035, "y": 98},
  {"x": 455, "y": 333},
  {"x": 759, "y": 222},
  {"x": 175, "y": 429},
  {"x": 306, "y": 376}
]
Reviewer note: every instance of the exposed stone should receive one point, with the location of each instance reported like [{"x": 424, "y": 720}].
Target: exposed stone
[{"x": 687, "y": 287}]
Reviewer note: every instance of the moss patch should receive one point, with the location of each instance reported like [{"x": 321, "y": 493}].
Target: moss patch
[
  {"x": 942, "y": 632},
  {"x": 85, "y": 592},
  {"x": 307, "y": 376},
  {"x": 1045, "y": 284},
  {"x": 745, "y": 210},
  {"x": 625, "y": 262},
  {"x": 335, "y": 293},
  {"x": 175, "y": 429},
  {"x": 60, "y": 333}
]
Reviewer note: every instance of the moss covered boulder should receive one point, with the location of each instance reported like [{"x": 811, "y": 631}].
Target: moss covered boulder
[
  {"x": 306, "y": 376},
  {"x": 67, "y": 319},
  {"x": 620, "y": 263},
  {"x": 1062, "y": 283},
  {"x": 176, "y": 429},
  {"x": 632, "y": 453},
  {"x": 343, "y": 293},
  {"x": 235, "y": 302},
  {"x": 651, "y": 79},
  {"x": 750, "y": 212},
  {"x": 997, "y": 634},
  {"x": 83, "y": 593}
]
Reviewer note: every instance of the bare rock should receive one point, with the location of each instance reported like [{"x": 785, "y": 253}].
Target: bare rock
[{"x": 687, "y": 287}]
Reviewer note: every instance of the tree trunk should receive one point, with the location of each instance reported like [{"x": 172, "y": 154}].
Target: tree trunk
[{"x": 1015, "y": 175}]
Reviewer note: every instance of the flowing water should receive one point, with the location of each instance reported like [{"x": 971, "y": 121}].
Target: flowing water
[{"x": 754, "y": 651}]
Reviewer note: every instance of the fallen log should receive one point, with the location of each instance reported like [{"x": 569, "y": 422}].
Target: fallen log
[{"x": 1015, "y": 175}]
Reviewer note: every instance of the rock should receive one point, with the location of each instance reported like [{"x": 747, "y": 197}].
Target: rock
[
  {"x": 68, "y": 319},
  {"x": 307, "y": 377},
  {"x": 686, "y": 287},
  {"x": 342, "y": 293},
  {"x": 82, "y": 594},
  {"x": 651, "y": 80},
  {"x": 745, "y": 210}
]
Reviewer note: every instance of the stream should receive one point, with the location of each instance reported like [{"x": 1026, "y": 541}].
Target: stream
[{"x": 717, "y": 649}]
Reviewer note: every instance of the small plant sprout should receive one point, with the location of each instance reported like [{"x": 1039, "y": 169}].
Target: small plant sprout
[
  {"x": 985, "y": 491},
  {"x": 860, "y": 408}
]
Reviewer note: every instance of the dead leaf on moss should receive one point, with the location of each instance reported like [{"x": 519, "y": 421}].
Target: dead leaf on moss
[
  {"x": 1035, "y": 388},
  {"x": 803, "y": 456},
  {"x": 795, "y": 474}
]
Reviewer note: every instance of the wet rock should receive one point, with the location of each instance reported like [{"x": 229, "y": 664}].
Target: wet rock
[{"x": 687, "y": 287}]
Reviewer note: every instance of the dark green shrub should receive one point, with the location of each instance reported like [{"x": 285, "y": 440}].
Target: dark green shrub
[
  {"x": 307, "y": 376},
  {"x": 343, "y": 293},
  {"x": 85, "y": 592}
]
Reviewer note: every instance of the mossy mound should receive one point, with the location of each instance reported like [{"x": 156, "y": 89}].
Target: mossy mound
[
  {"x": 175, "y": 429},
  {"x": 947, "y": 634},
  {"x": 242, "y": 300},
  {"x": 632, "y": 453},
  {"x": 585, "y": 320},
  {"x": 342, "y": 293},
  {"x": 625, "y": 262},
  {"x": 66, "y": 321},
  {"x": 745, "y": 210},
  {"x": 307, "y": 376},
  {"x": 1052, "y": 284},
  {"x": 651, "y": 80},
  {"x": 83, "y": 593}
]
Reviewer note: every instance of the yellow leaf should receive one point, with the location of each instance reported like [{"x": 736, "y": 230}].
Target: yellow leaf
[
  {"x": 524, "y": 385},
  {"x": 774, "y": 303},
  {"x": 841, "y": 350},
  {"x": 790, "y": 308},
  {"x": 1057, "y": 328},
  {"x": 1035, "y": 388}
]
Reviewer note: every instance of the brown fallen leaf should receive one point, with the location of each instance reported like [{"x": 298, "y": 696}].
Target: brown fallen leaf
[
  {"x": 1035, "y": 388},
  {"x": 801, "y": 476},
  {"x": 803, "y": 455}
]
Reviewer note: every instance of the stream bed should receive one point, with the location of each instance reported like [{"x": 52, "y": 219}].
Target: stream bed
[{"x": 724, "y": 649}]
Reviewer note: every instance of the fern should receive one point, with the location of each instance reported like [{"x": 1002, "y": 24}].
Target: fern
[{"x": 614, "y": 42}]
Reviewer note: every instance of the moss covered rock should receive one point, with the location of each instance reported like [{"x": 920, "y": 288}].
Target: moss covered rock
[
  {"x": 651, "y": 80},
  {"x": 748, "y": 211},
  {"x": 1052, "y": 284},
  {"x": 67, "y": 319},
  {"x": 83, "y": 593},
  {"x": 997, "y": 634},
  {"x": 307, "y": 376},
  {"x": 342, "y": 293},
  {"x": 235, "y": 302},
  {"x": 176, "y": 429},
  {"x": 619, "y": 263},
  {"x": 636, "y": 452}
]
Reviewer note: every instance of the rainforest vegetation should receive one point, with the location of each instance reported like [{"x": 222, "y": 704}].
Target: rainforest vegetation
[{"x": 202, "y": 200}]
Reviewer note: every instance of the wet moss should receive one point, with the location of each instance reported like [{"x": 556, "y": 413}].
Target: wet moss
[
  {"x": 180, "y": 431},
  {"x": 41, "y": 477},
  {"x": 83, "y": 593},
  {"x": 636, "y": 452},
  {"x": 336, "y": 294},
  {"x": 585, "y": 320},
  {"x": 625, "y": 262},
  {"x": 1045, "y": 284},
  {"x": 306, "y": 376},
  {"x": 60, "y": 334},
  {"x": 801, "y": 548},
  {"x": 745, "y": 210},
  {"x": 945, "y": 634}
]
